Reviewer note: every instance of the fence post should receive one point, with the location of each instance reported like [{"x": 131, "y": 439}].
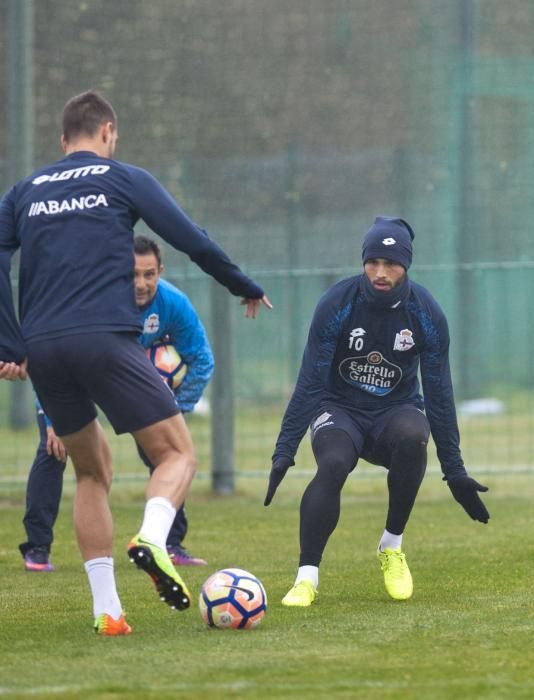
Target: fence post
[
  {"x": 292, "y": 196},
  {"x": 20, "y": 40},
  {"x": 222, "y": 392},
  {"x": 469, "y": 374}
]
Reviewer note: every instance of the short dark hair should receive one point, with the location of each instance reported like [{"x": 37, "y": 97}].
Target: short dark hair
[
  {"x": 146, "y": 246},
  {"x": 84, "y": 113}
]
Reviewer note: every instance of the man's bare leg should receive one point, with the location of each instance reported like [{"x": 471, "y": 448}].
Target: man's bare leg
[
  {"x": 168, "y": 445},
  {"x": 91, "y": 457}
]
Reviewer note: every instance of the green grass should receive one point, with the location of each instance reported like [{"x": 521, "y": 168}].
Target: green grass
[{"x": 466, "y": 633}]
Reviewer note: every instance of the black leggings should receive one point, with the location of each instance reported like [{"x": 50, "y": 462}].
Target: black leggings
[{"x": 401, "y": 448}]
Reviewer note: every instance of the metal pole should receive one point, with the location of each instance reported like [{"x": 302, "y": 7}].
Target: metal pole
[
  {"x": 222, "y": 392},
  {"x": 293, "y": 253},
  {"x": 20, "y": 139},
  {"x": 468, "y": 374}
]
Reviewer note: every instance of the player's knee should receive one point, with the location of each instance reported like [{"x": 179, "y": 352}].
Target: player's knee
[
  {"x": 410, "y": 454},
  {"x": 412, "y": 444},
  {"x": 107, "y": 478},
  {"x": 191, "y": 466},
  {"x": 335, "y": 455},
  {"x": 182, "y": 456},
  {"x": 412, "y": 436},
  {"x": 97, "y": 471},
  {"x": 334, "y": 468}
]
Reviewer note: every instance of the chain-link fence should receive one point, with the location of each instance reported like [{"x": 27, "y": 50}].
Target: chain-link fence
[{"x": 283, "y": 128}]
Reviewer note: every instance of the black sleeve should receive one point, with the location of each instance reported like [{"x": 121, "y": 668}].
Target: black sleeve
[
  {"x": 438, "y": 394},
  {"x": 12, "y": 347},
  {"x": 320, "y": 348},
  {"x": 159, "y": 210}
]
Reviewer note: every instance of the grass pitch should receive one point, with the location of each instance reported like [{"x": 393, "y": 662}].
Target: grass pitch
[{"x": 466, "y": 633}]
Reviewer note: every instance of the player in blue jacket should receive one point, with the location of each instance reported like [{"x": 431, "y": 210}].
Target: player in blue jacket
[
  {"x": 358, "y": 391},
  {"x": 73, "y": 222},
  {"x": 166, "y": 312}
]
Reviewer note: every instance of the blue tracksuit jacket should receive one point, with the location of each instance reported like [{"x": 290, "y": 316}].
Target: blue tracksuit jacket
[{"x": 171, "y": 315}]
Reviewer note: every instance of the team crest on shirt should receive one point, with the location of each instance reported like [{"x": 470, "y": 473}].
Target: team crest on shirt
[
  {"x": 404, "y": 340},
  {"x": 371, "y": 373},
  {"x": 151, "y": 324}
]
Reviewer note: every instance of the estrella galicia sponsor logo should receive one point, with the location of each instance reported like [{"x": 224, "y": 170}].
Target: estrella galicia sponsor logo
[
  {"x": 53, "y": 206},
  {"x": 72, "y": 173},
  {"x": 151, "y": 324},
  {"x": 371, "y": 373}
]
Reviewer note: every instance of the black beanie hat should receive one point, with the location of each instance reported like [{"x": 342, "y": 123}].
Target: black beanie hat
[{"x": 389, "y": 238}]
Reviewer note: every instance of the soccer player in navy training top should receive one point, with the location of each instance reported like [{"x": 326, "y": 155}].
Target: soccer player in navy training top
[
  {"x": 73, "y": 222},
  {"x": 358, "y": 391},
  {"x": 166, "y": 313}
]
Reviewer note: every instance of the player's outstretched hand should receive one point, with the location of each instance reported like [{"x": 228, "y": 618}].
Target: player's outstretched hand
[
  {"x": 465, "y": 491},
  {"x": 253, "y": 306},
  {"x": 278, "y": 471},
  {"x": 12, "y": 371}
]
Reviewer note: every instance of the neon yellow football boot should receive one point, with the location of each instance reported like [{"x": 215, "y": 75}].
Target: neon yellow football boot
[
  {"x": 301, "y": 595},
  {"x": 157, "y": 564},
  {"x": 397, "y": 576}
]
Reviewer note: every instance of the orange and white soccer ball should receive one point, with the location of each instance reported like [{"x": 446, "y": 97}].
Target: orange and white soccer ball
[
  {"x": 232, "y": 598},
  {"x": 168, "y": 362}
]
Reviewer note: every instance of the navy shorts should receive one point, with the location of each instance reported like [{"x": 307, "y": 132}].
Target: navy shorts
[
  {"x": 365, "y": 428},
  {"x": 73, "y": 373}
]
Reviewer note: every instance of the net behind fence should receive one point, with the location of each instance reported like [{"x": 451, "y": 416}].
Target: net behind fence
[{"x": 283, "y": 129}]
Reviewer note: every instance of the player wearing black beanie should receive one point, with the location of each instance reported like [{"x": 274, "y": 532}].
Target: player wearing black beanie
[{"x": 358, "y": 391}]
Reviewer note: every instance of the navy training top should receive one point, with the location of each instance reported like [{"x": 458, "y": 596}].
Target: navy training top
[
  {"x": 73, "y": 221},
  {"x": 363, "y": 357}
]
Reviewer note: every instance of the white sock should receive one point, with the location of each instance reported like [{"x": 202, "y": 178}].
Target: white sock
[
  {"x": 101, "y": 576},
  {"x": 310, "y": 573},
  {"x": 158, "y": 519},
  {"x": 390, "y": 541}
]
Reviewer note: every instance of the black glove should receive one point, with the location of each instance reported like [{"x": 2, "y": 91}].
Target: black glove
[
  {"x": 464, "y": 489},
  {"x": 278, "y": 471}
]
